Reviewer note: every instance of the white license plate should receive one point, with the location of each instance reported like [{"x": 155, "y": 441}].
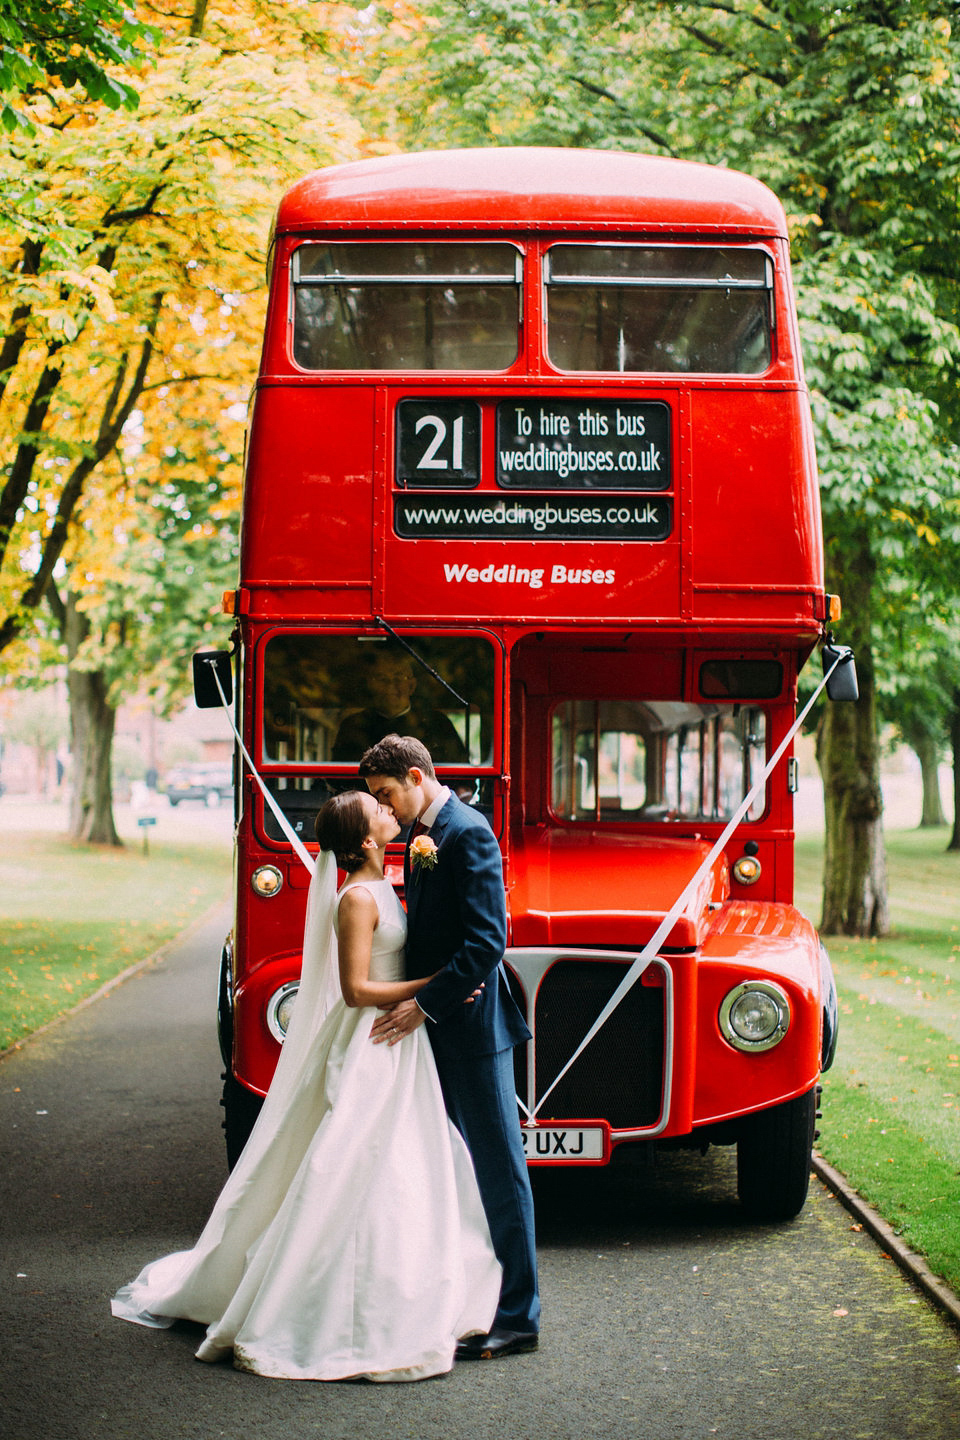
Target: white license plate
[{"x": 565, "y": 1144}]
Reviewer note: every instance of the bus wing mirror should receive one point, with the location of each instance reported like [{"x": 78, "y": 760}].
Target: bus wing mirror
[
  {"x": 206, "y": 664},
  {"x": 842, "y": 684}
]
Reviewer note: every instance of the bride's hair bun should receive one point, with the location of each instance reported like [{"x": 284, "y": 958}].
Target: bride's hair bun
[{"x": 342, "y": 826}]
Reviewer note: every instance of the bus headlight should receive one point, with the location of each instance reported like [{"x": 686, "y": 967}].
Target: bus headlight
[
  {"x": 266, "y": 881},
  {"x": 755, "y": 1016},
  {"x": 280, "y": 1008}
]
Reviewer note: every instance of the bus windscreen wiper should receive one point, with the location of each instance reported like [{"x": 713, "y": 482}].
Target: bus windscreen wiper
[{"x": 423, "y": 663}]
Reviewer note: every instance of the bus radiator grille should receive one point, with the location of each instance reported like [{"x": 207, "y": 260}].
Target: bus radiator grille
[{"x": 619, "y": 1077}]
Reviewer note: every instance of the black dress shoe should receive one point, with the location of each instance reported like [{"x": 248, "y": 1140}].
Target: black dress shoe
[{"x": 498, "y": 1342}]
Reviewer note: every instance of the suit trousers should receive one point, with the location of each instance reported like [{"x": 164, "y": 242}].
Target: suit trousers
[{"x": 480, "y": 1095}]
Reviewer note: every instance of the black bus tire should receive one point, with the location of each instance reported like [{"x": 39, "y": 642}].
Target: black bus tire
[
  {"x": 774, "y": 1155},
  {"x": 240, "y": 1110}
]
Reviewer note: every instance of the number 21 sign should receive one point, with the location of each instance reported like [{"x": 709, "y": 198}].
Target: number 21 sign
[{"x": 438, "y": 442}]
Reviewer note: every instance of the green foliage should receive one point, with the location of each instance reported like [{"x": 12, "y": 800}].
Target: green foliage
[
  {"x": 162, "y": 601},
  {"x": 918, "y": 697},
  {"x": 132, "y": 251},
  {"x": 69, "y": 44},
  {"x": 851, "y": 113}
]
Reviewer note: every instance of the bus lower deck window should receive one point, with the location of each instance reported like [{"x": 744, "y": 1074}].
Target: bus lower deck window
[
  {"x": 327, "y": 698},
  {"x": 671, "y": 308},
  {"x": 397, "y": 306},
  {"x": 654, "y": 760}
]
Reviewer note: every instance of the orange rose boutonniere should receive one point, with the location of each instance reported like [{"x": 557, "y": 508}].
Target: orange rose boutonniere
[{"x": 423, "y": 853}]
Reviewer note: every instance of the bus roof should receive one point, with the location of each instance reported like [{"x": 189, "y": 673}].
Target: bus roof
[{"x": 530, "y": 188}]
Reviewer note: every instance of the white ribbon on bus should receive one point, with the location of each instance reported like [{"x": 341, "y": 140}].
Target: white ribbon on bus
[
  {"x": 667, "y": 923},
  {"x": 303, "y": 854}
]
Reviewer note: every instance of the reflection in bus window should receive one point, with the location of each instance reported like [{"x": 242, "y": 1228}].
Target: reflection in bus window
[
  {"x": 326, "y": 698},
  {"x": 659, "y": 308},
  {"x": 630, "y": 760},
  {"x": 406, "y": 307}
]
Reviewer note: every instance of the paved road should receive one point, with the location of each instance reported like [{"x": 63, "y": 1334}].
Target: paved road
[{"x": 666, "y": 1316}]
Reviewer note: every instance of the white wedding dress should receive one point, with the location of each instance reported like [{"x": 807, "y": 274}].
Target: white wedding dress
[{"x": 350, "y": 1239}]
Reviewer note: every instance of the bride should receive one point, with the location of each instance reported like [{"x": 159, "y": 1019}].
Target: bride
[{"x": 349, "y": 1240}]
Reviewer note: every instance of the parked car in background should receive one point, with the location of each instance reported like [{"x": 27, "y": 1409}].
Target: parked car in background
[{"x": 206, "y": 782}]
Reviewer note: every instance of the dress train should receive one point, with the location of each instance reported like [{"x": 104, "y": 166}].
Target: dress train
[{"x": 350, "y": 1239}]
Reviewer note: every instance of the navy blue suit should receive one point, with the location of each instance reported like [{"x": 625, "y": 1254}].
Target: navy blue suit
[{"x": 457, "y": 925}]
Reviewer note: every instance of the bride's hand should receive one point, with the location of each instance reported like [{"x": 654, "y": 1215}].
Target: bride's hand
[
  {"x": 476, "y": 994},
  {"x": 399, "y": 1020}
]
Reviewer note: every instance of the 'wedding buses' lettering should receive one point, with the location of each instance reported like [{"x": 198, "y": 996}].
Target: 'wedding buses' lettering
[
  {"x": 525, "y": 575},
  {"x": 583, "y": 444}
]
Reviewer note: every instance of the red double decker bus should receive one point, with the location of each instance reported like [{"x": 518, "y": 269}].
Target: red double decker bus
[{"x": 530, "y": 475}]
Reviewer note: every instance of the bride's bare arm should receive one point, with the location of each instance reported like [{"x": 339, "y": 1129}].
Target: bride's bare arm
[{"x": 358, "y": 921}]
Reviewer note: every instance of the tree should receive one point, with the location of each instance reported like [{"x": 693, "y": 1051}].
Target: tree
[
  {"x": 69, "y": 45},
  {"x": 955, "y": 748},
  {"x": 922, "y": 731},
  {"x": 920, "y": 701},
  {"x": 133, "y": 253},
  {"x": 34, "y": 717},
  {"x": 851, "y": 112},
  {"x": 869, "y": 431}
]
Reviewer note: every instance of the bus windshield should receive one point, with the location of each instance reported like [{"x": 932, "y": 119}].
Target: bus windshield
[
  {"x": 659, "y": 308},
  {"x": 643, "y": 760},
  {"x": 326, "y": 698}
]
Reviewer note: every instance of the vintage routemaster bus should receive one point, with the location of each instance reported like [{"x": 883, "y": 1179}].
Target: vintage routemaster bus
[{"x": 530, "y": 474}]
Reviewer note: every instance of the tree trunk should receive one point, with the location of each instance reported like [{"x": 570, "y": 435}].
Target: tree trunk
[
  {"x": 848, "y": 754},
  {"x": 927, "y": 752},
  {"x": 92, "y": 720},
  {"x": 955, "y": 747},
  {"x": 197, "y": 19}
]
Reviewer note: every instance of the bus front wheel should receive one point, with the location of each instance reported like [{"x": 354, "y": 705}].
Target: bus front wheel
[{"x": 774, "y": 1155}]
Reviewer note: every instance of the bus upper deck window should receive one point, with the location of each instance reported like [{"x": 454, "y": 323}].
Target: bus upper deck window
[
  {"x": 403, "y": 306},
  {"x": 668, "y": 308}
]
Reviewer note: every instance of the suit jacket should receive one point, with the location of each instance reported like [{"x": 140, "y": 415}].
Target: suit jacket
[{"x": 457, "y": 924}]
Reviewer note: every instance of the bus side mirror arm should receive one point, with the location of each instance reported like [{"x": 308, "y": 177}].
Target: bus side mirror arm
[
  {"x": 205, "y": 691},
  {"x": 842, "y": 684}
]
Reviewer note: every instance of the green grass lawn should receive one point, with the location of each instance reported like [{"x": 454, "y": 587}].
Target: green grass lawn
[
  {"x": 71, "y": 918},
  {"x": 891, "y": 1105}
]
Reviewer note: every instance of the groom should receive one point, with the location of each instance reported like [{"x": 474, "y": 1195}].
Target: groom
[{"x": 456, "y": 924}]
